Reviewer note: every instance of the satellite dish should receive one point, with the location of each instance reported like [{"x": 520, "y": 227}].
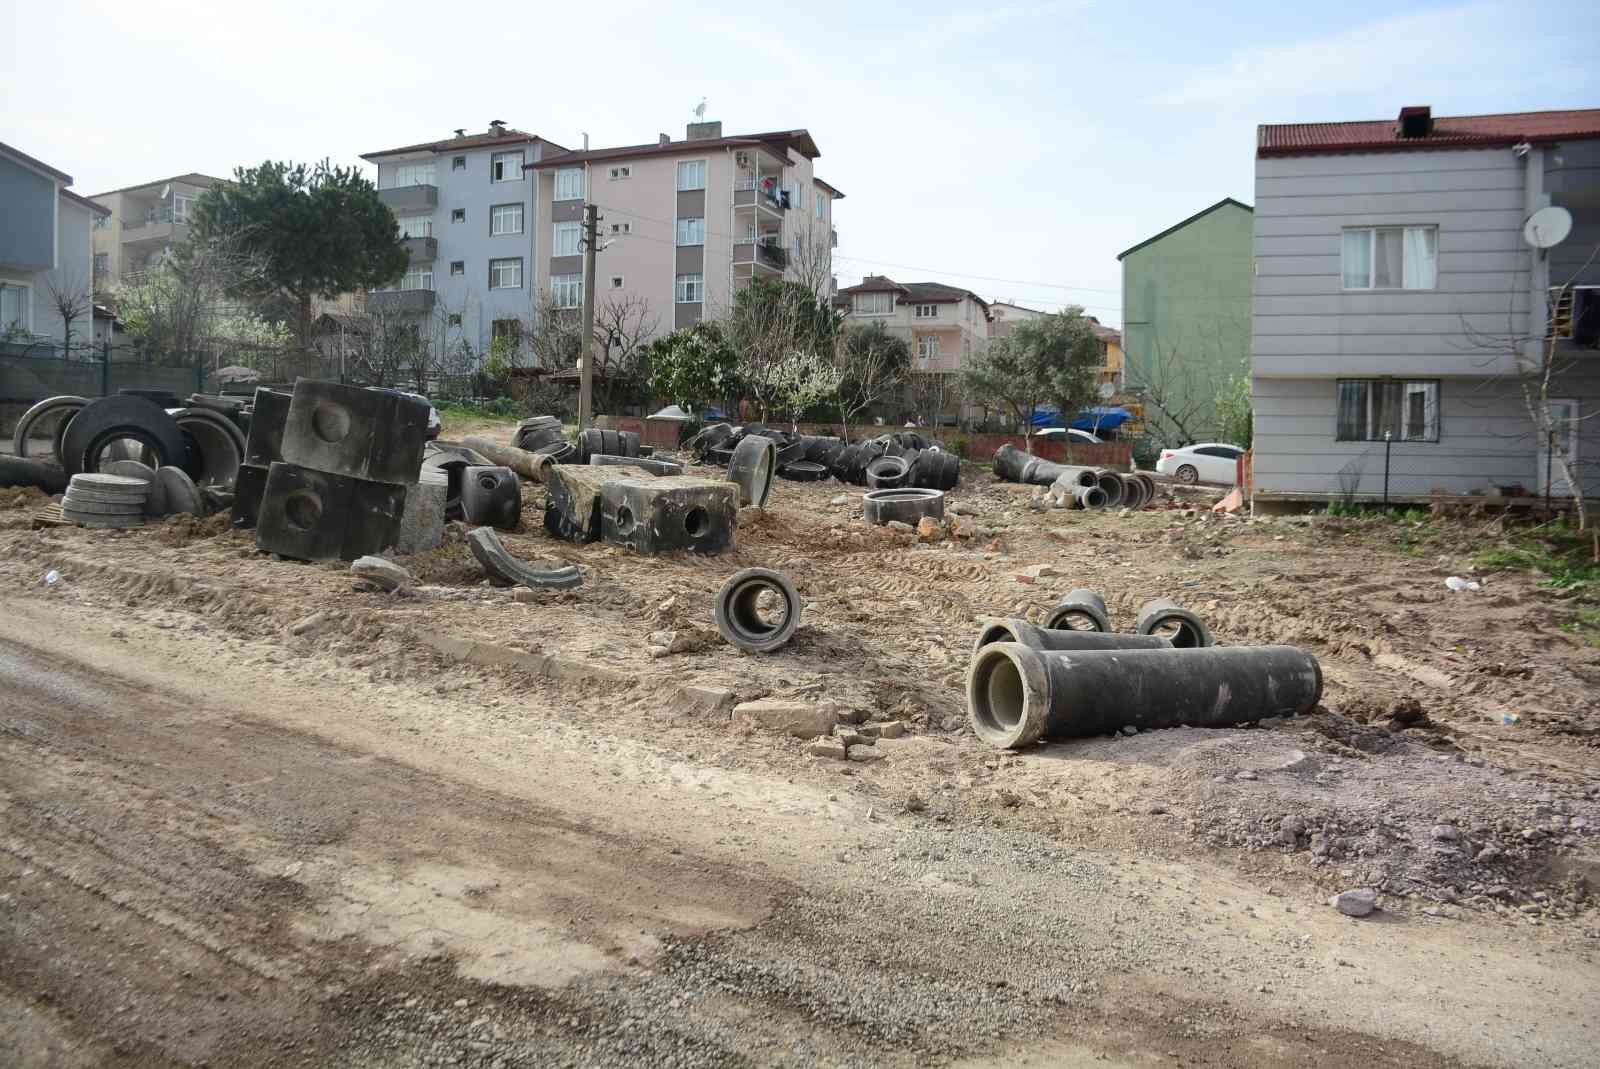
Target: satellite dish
[
  {"x": 1547, "y": 227},
  {"x": 1106, "y": 391},
  {"x": 166, "y": 191}
]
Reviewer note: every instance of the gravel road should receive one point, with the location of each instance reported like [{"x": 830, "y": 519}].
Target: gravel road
[{"x": 208, "y": 858}]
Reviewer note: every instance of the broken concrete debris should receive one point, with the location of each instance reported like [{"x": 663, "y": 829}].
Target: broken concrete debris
[
  {"x": 1356, "y": 903},
  {"x": 383, "y": 574},
  {"x": 505, "y": 570},
  {"x": 757, "y": 610},
  {"x": 803, "y": 720}
]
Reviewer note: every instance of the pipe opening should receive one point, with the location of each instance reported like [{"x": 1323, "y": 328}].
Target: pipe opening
[
  {"x": 758, "y": 609},
  {"x": 696, "y": 522},
  {"x": 213, "y": 451},
  {"x": 996, "y": 632},
  {"x": 997, "y": 693},
  {"x": 1180, "y": 632}
]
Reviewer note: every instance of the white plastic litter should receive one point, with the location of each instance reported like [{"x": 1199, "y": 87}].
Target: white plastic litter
[
  {"x": 51, "y": 578},
  {"x": 1458, "y": 584}
]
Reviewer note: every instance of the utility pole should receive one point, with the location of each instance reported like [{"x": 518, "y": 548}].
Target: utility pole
[{"x": 591, "y": 241}]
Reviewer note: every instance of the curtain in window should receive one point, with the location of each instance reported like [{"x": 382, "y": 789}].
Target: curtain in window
[
  {"x": 1421, "y": 257},
  {"x": 1357, "y": 259},
  {"x": 1386, "y": 259},
  {"x": 1352, "y": 412},
  {"x": 1421, "y": 411}
]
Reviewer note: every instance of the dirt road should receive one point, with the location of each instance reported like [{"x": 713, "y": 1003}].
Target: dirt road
[{"x": 215, "y": 851}]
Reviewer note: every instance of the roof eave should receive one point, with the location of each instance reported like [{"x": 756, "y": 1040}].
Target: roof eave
[{"x": 1175, "y": 227}]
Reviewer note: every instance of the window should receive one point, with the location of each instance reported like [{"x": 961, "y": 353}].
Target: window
[
  {"x": 458, "y": 215},
  {"x": 1574, "y": 313},
  {"x": 622, "y": 228},
  {"x": 16, "y": 312},
  {"x": 458, "y": 267},
  {"x": 102, "y": 263},
  {"x": 1371, "y": 408},
  {"x": 411, "y": 174},
  {"x": 927, "y": 311},
  {"x": 458, "y": 163},
  {"x": 691, "y": 231},
  {"x": 505, "y": 167},
  {"x": 874, "y": 304},
  {"x": 821, "y": 203},
  {"x": 568, "y": 239},
  {"x": 566, "y": 291},
  {"x": 507, "y": 330},
  {"x": 418, "y": 278},
  {"x": 569, "y": 183},
  {"x": 505, "y": 219},
  {"x": 182, "y": 205},
  {"x": 616, "y": 282},
  {"x": 1222, "y": 452},
  {"x": 455, "y": 317},
  {"x": 691, "y": 289},
  {"x": 928, "y": 347},
  {"x": 1391, "y": 257},
  {"x": 102, "y": 222},
  {"x": 618, "y": 173},
  {"x": 691, "y": 175},
  {"x": 505, "y": 274},
  {"x": 416, "y": 226}
]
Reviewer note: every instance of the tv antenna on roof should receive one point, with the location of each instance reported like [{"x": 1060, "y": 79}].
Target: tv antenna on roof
[
  {"x": 700, "y": 110},
  {"x": 1547, "y": 227}
]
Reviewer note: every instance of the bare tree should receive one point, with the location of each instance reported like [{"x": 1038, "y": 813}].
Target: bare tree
[
  {"x": 1176, "y": 378},
  {"x": 72, "y": 298},
  {"x": 872, "y": 364},
  {"x": 772, "y": 325},
  {"x": 811, "y": 257},
  {"x": 931, "y": 392},
  {"x": 623, "y": 327}
]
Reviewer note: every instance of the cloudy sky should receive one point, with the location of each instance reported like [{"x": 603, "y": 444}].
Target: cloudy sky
[{"x": 1012, "y": 147}]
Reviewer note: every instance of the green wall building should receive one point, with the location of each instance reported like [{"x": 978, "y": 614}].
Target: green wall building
[{"x": 1186, "y": 319}]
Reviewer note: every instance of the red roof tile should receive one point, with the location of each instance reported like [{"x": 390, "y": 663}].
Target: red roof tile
[{"x": 1461, "y": 131}]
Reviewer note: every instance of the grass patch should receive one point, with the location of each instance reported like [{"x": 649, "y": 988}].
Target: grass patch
[
  {"x": 1557, "y": 551},
  {"x": 1585, "y": 623}
]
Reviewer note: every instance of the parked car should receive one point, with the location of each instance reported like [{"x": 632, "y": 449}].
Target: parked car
[
  {"x": 1058, "y": 433},
  {"x": 1204, "y": 462}
]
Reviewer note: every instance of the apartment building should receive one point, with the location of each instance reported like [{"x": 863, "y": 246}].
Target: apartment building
[
  {"x": 1398, "y": 302},
  {"x": 684, "y": 225},
  {"x": 469, "y": 218},
  {"x": 944, "y": 325},
  {"x": 143, "y": 224},
  {"x": 44, "y": 246}
]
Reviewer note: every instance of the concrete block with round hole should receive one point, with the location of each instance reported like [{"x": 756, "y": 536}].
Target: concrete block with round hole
[
  {"x": 317, "y": 515},
  {"x": 649, "y": 515},
  {"x": 360, "y": 433}
]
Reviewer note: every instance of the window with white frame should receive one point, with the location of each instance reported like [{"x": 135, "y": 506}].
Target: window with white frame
[
  {"x": 691, "y": 289},
  {"x": 418, "y": 278},
  {"x": 416, "y": 226},
  {"x": 458, "y": 163},
  {"x": 569, "y": 183},
  {"x": 505, "y": 273},
  {"x": 621, "y": 171},
  {"x": 505, "y": 219},
  {"x": 458, "y": 215},
  {"x": 102, "y": 222},
  {"x": 691, "y": 175},
  {"x": 411, "y": 174},
  {"x": 458, "y": 267},
  {"x": 1391, "y": 257},
  {"x": 927, "y": 311},
  {"x": 874, "y": 304},
  {"x": 102, "y": 263},
  {"x": 928, "y": 347},
  {"x": 821, "y": 203},
  {"x": 566, "y": 291},
  {"x": 506, "y": 167},
  {"x": 1405, "y": 411},
  {"x": 622, "y": 228},
  {"x": 568, "y": 240},
  {"x": 16, "y": 307},
  {"x": 691, "y": 231},
  {"x": 182, "y": 205}
]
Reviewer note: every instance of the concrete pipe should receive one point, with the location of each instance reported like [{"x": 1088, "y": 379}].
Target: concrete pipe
[
  {"x": 1080, "y": 610},
  {"x": 216, "y": 446},
  {"x": 1009, "y": 462},
  {"x": 55, "y": 412},
  {"x": 1133, "y": 495},
  {"x": 757, "y": 610},
  {"x": 1165, "y": 617},
  {"x": 1110, "y": 484},
  {"x": 887, "y": 473},
  {"x": 751, "y": 466},
  {"x": 1043, "y": 638},
  {"x": 1017, "y": 695},
  {"x": 1090, "y": 497},
  {"x": 1074, "y": 477},
  {"x": 906, "y": 504},
  {"x": 1149, "y": 485}
]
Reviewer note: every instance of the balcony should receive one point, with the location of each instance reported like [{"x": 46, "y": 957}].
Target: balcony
[
  {"x": 760, "y": 253},
  {"x": 404, "y": 302},
  {"x": 421, "y": 250},
  {"x": 157, "y": 226},
  {"x": 749, "y": 193},
  {"x": 409, "y": 198}
]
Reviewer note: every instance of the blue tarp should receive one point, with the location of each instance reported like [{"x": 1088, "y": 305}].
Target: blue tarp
[{"x": 1094, "y": 420}]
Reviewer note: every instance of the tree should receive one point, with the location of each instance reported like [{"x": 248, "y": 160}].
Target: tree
[
  {"x": 1176, "y": 377},
  {"x": 1053, "y": 358},
  {"x": 694, "y": 366},
  {"x": 804, "y": 381},
  {"x": 1235, "y": 416},
  {"x": 623, "y": 327},
  {"x": 179, "y": 310},
  {"x": 872, "y": 365},
  {"x": 931, "y": 393},
  {"x": 320, "y": 231},
  {"x": 774, "y": 325},
  {"x": 72, "y": 299}
]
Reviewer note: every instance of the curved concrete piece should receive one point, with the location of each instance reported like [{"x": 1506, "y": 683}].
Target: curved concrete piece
[{"x": 498, "y": 562}]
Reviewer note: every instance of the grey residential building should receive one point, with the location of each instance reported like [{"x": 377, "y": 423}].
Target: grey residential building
[
  {"x": 44, "y": 250},
  {"x": 1394, "y": 290},
  {"x": 467, "y": 211}
]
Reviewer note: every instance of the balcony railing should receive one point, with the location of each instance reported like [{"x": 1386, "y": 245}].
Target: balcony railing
[
  {"x": 409, "y": 198},
  {"x": 766, "y": 254},
  {"x": 749, "y": 192},
  {"x": 400, "y": 301},
  {"x": 421, "y": 250}
]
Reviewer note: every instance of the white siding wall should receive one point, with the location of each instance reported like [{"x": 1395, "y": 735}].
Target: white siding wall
[{"x": 1307, "y": 331}]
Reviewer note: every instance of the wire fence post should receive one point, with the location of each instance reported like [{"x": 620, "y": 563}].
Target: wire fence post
[
  {"x": 105, "y": 368},
  {"x": 1388, "y": 441}
]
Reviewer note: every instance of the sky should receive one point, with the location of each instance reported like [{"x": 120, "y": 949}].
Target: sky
[{"x": 1013, "y": 148}]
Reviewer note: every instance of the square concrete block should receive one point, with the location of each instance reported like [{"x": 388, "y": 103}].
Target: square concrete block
[
  {"x": 348, "y": 430},
  {"x": 649, "y": 515},
  {"x": 268, "y": 414},
  {"x": 422, "y": 522},
  {"x": 316, "y": 515},
  {"x": 248, "y": 488}
]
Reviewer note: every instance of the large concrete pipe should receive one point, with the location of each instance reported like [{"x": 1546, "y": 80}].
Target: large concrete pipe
[
  {"x": 1166, "y": 617},
  {"x": 1080, "y": 610},
  {"x": 1043, "y": 638},
  {"x": 1017, "y": 695}
]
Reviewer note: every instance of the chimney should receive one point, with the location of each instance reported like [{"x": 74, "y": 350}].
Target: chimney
[
  {"x": 663, "y": 139},
  {"x": 461, "y": 132},
  {"x": 586, "y": 142},
  {"x": 497, "y": 126},
  {"x": 704, "y": 131},
  {"x": 1416, "y": 121}
]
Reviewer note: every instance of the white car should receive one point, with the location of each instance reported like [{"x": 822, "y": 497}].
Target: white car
[
  {"x": 1204, "y": 462},
  {"x": 1057, "y": 433}
]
